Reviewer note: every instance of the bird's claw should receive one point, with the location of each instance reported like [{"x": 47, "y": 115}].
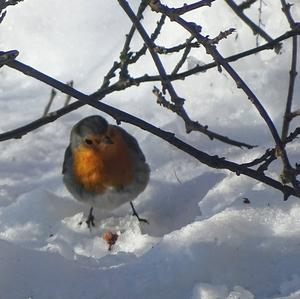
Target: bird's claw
[{"x": 90, "y": 221}]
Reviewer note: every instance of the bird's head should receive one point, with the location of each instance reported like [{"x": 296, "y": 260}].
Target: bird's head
[{"x": 90, "y": 132}]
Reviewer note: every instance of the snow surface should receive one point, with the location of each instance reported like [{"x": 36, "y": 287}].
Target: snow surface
[{"x": 203, "y": 242}]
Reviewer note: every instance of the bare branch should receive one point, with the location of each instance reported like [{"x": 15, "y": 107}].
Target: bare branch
[
  {"x": 150, "y": 45},
  {"x": 188, "y": 7},
  {"x": 192, "y": 126},
  {"x": 184, "y": 56},
  {"x": 266, "y": 46},
  {"x": 294, "y": 114},
  {"x": 7, "y": 56},
  {"x": 7, "y": 3},
  {"x": 19, "y": 132},
  {"x": 52, "y": 96},
  {"x": 68, "y": 98},
  {"x": 288, "y": 116},
  {"x": 293, "y": 135},
  {"x": 256, "y": 29},
  {"x": 154, "y": 36},
  {"x": 263, "y": 158},
  {"x": 194, "y": 30},
  {"x": 2, "y": 15},
  {"x": 259, "y": 20},
  {"x": 222, "y": 35},
  {"x": 293, "y": 73},
  {"x": 169, "y": 98},
  {"x": 264, "y": 166},
  {"x": 178, "y": 102},
  {"x": 121, "y": 116},
  {"x": 221, "y": 61},
  {"x": 163, "y": 50},
  {"x": 124, "y": 55},
  {"x": 286, "y": 8},
  {"x": 4, "y": 4},
  {"x": 246, "y": 4}
]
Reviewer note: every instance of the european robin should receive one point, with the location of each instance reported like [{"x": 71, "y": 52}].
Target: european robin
[{"x": 104, "y": 166}]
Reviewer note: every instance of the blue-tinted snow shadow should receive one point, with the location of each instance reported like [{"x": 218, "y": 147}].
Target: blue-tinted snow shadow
[{"x": 174, "y": 205}]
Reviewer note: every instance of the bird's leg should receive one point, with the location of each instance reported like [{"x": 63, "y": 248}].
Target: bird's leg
[
  {"x": 90, "y": 219},
  {"x": 134, "y": 213}
]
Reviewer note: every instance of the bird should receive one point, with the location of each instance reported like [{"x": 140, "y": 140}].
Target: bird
[{"x": 104, "y": 166}]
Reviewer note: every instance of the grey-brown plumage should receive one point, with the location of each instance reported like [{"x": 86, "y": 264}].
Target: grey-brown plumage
[{"x": 103, "y": 164}]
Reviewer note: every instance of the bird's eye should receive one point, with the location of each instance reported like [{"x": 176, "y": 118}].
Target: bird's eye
[{"x": 88, "y": 141}]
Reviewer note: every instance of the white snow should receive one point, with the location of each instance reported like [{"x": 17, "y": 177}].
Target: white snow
[{"x": 203, "y": 241}]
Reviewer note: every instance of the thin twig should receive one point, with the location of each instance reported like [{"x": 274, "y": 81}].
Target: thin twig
[
  {"x": 111, "y": 74},
  {"x": 121, "y": 116},
  {"x": 264, "y": 166},
  {"x": 184, "y": 56},
  {"x": 153, "y": 37},
  {"x": 150, "y": 45},
  {"x": 194, "y": 30},
  {"x": 5, "y": 3},
  {"x": 256, "y": 29},
  {"x": 289, "y": 175},
  {"x": 68, "y": 98},
  {"x": 267, "y": 154},
  {"x": 246, "y": 4},
  {"x": 293, "y": 73},
  {"x": 189, "y": 7},
  {"x": 203, "y": 68},
  {"x": 293, "y": 135},
  {"x": 194, "y": 126},
  {"x": 19, "y": 132},
  {"x": 178, "y": 102},
  {"x": 156, "y": 6},
  {"x": 286, "y": 8},
  {"x": 7, "y": 56},
  {"x": 222, "y": 35},
  {"x": 266, "y": 46},
  {"x": 124, "y": 55},
  {"x": 294, "y": 114},
  {"x": 177, "y": 48},
  {"x": 259, "y": 20},
  {"x": 52, "y": 96}
]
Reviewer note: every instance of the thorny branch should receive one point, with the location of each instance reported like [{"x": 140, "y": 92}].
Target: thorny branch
[{"x": 176, "y": 103}]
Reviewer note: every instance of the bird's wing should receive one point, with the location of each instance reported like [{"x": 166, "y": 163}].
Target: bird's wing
[
  {"x": 132, "y": 143},
  {"x": 68, "y": 155}
]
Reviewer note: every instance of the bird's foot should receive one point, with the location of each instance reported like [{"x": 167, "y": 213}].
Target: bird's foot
[
  {"x": 134, "y": 213},
  {"x": 89, "y": 220}
]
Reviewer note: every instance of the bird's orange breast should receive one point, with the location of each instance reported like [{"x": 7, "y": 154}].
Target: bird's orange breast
[{"x": 105, "y": 165}]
